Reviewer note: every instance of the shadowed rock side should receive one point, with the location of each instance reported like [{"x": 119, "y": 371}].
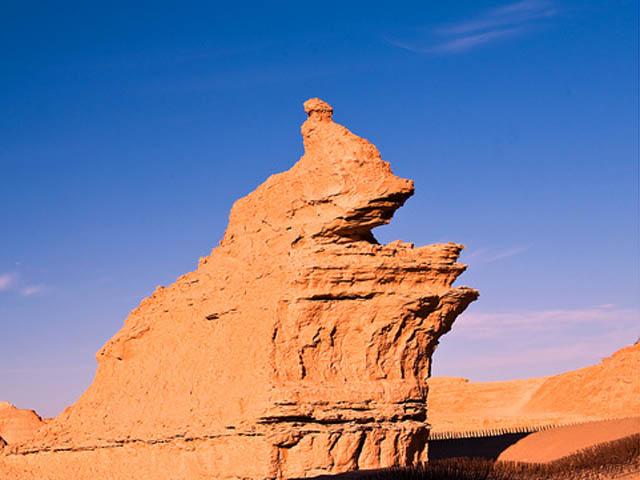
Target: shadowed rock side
[
  {"x": 607, "y": 390},
  {"x": 300, "y": 346}
]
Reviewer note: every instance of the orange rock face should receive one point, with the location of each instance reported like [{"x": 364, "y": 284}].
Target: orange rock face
[
  {"x": 17, "y": 425},
  {"x": 300, "y": 346},
  {"x": 610, "y": 389}
]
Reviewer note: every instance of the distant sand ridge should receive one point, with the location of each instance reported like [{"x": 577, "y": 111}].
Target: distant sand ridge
[
  {"x": 300, "y": 346},
  {"x": 607, "y": 390},
  {"x": 17, "y": 425}
]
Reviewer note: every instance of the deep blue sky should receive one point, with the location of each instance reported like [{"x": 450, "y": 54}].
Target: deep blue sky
[{"x": 128, "y": 131}]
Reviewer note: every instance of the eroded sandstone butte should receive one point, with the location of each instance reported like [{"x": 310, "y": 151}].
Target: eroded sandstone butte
[{"x": 300, "y": 346}]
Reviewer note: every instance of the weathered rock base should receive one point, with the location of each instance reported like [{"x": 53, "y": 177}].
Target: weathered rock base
[{"x": 251, "y": 456}]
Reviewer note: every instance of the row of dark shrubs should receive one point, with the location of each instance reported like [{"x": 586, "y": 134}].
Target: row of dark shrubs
[{"x": 604, "y": 459}]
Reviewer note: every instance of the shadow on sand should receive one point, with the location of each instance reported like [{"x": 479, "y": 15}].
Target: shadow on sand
[{"x": 488, "y": 448}]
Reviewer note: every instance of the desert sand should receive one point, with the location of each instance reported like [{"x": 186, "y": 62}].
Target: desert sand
[
  {"x": 549, "y": 445},
  {"x": 607, "y": 390}
]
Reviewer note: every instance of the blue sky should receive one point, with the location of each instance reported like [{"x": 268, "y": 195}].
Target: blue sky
[{"x": 128, "y": 131}]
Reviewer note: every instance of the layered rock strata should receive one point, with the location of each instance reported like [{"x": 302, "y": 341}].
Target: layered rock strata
[{"x": 300, "y": 346}]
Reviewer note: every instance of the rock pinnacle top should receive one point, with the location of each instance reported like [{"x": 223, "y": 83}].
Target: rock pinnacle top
[{"x": 318, "y": 109}]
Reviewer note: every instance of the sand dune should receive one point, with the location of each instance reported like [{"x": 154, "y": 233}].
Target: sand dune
[
  {"x": 549, "y": 445},
  {"x": 607, "y": 390}
]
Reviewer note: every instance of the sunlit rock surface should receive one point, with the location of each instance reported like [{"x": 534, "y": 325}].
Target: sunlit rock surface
[
  {"x": 17, "y": 425},
  {"x": 300, "y": 346}
]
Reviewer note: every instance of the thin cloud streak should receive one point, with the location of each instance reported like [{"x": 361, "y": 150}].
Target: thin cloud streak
[
  {"x": 405, "y": 46},
  {"x": 498, "y": 347},
  {"x": 31, "y": 290},
  {"x": 471, "y": 41},
  {"x": 514, "y": 324},
  {"x": 529, "y": 7},
  {"x": 476, "y": 253},
  {"x": 508, "y": 253},
  {"x": 484, "y": 255},
  {"x": 6, "y": 280},
  {"x": 491, "y": 26},
  {"x": 11, "y": 282},
  {"x": 550, "y": 356},
  {"x": 506, "y": 16}
]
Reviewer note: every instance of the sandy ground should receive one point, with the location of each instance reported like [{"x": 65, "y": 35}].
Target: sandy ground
[
  {"x": 629, "y": 476},
  {"x": 607, "y": 390},
  {"x": 550, "y": 445}
]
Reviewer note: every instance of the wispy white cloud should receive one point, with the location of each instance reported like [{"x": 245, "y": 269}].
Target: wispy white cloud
[
  {"x": 508, "y": 253},
  {"x": 469, "y": 41},
  {"x": 31, "y": 290},
  {"x": 406, "y": 45},
  {"x": 527, "y": 8},
  {"x": 476, "y": 253},
  {"x": 6, "y": 280},
  {"x": 506, "y": 16},
  {"x": 484, "y": 255},
  {"x": 500, "y": 346},
  {"x": 514, "y": 324},
  {"x": 552, "y": 358},
  {"x": 14, "y": 283},
  {"x": 489, "y": 26}
]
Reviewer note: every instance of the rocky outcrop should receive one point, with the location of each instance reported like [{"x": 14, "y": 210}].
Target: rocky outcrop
[
  {"x": 17, "y": 425},
  {"x": 607, "y": 390},
  {"x": 300, "y": 346}
]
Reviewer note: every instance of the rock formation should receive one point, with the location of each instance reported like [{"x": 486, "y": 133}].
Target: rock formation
[
  {"x": 608, "y": 390},
  {"x": 300, "y": 346},
  {"x": 17, "y": 425}
]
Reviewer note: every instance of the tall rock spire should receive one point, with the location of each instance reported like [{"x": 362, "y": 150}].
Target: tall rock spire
[{"x": 300, "y": 346}]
